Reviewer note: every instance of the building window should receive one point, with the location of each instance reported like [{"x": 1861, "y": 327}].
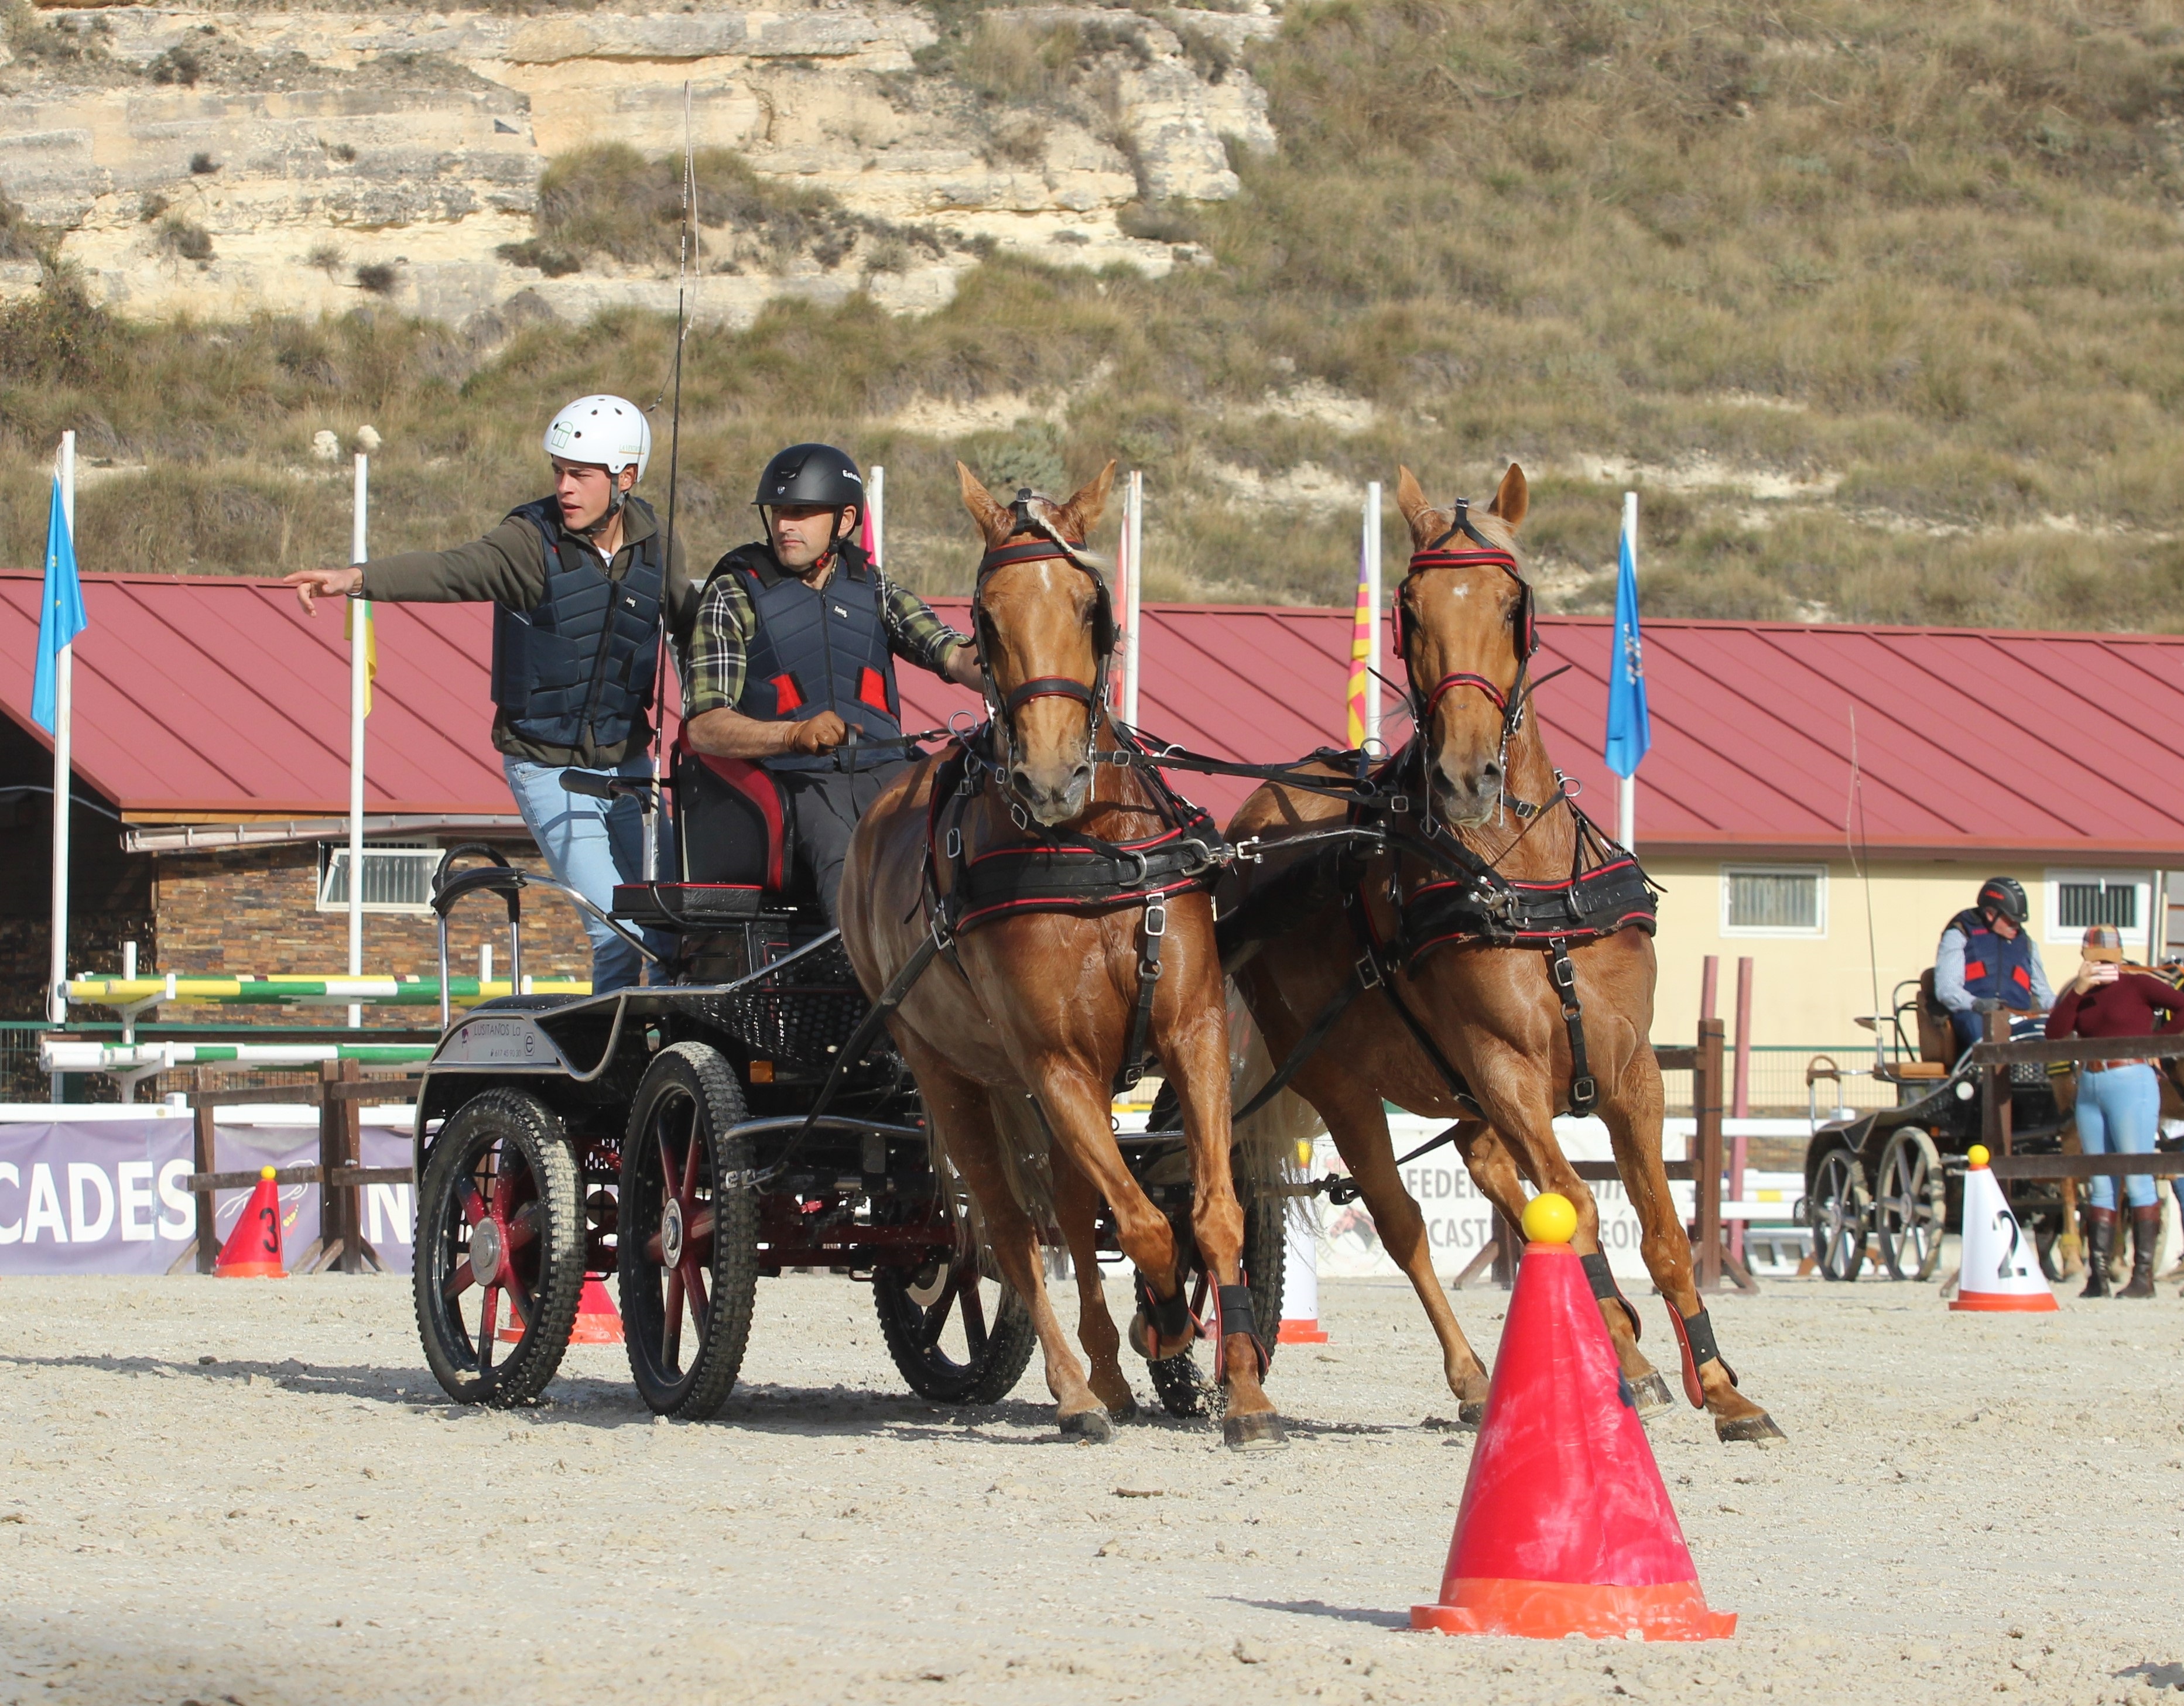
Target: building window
[
  {"x": 1774, "y": 901},
  {"x": 396, "y": 878},
  {"x": 2078, "y": 899}
]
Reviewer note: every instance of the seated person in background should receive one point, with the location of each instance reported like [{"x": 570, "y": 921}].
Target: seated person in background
[
  {"x": 1985, "y": 963},
  {"x": 795, "y": 640},
  {"x": 2119, "y": 1101}
]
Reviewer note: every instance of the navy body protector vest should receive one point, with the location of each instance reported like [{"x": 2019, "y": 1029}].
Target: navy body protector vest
[
  {"x": 815, "y": 651},
  {"x": 1994, "y": 969},
  {"x": 578, "y": 670}
]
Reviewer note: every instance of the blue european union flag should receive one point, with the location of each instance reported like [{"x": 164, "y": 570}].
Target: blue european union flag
[
  {"x": 60, "y": 617},
  {"x": 1629, "y": 729}
]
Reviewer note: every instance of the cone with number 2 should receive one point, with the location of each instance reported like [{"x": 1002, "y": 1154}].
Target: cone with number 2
[
  {"x": 2001, "y": 1267},
  {"x": 1566, "y": 1528}
]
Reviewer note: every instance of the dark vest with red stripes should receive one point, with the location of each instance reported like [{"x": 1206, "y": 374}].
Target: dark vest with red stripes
[
  {"x": 1994, "y": 969},
  {"x": 815, "y": 651}
]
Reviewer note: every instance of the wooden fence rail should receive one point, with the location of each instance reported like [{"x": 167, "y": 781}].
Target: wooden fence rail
[{"x": 339, "y": 1095}]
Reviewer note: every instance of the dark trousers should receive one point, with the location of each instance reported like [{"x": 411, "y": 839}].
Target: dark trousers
[{"x": 824, "y": 807}]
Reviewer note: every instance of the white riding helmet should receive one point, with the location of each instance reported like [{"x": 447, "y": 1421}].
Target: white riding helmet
[{"x": 610, "y": 430}]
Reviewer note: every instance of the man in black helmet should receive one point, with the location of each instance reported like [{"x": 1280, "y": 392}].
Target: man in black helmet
[
  {"x": 794, "y": 644},
  {"x": 1985, "y": 963}
]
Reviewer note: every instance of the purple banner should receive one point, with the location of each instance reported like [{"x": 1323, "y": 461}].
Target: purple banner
[{"x": 106, "y": 1197}]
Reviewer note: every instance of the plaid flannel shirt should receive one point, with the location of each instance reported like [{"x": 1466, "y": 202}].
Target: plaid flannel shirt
[{"x": 721, "y": 639}]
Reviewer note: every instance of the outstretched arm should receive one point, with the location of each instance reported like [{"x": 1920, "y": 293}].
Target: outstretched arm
[{"x": 507, "y": 566}]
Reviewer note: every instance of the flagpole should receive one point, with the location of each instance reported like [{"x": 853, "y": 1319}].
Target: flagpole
[
  {"x": 1373, "y": 615},
  {"x": 1134, "y": 518},
  {"x": 360, "y": 646},
  {"x": 876, "y": 494},
  {"x": 64, "y": 774},
  {"x": 1626, "y": 792},
  {"x": 1118, "y": 682}
]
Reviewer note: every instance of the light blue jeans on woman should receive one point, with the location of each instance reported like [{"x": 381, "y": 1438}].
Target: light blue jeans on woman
[
  {"x": 2118, "y": 1112},
  {"x": 591, "y": 844}
]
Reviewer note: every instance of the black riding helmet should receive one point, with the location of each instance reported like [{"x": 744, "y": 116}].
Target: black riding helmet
[
  {"x": 2004, "y": 895},
  {"x": 815, "y": 475}
]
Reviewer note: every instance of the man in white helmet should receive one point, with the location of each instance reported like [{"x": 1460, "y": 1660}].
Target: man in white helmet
[{"x": 581, "y": 585}]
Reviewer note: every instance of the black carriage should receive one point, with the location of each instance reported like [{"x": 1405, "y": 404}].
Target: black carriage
[
  {"x": 1890, "y": 1184},
  {"x": 666, "y": 1135}
]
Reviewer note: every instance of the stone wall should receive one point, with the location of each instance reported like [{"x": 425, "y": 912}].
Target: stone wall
[{"x": 303, "y": 146}]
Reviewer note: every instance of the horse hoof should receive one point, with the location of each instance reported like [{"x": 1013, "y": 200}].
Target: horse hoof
[
  {"x": 1756, "y": 1429},
  {"x": 1653, "y": 1395},
  {"x": 1091, "y": 1427},
  {"x": 1471, "y": 1414},
  {"x": 1259, "y": 1433},
  {"x": 1142, "y": 1340},
  {"x": 1126, "y": 1411}
]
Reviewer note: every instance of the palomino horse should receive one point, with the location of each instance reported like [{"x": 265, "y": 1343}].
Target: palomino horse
[
  {"x": 1438, "y": 956},
  {"x": 1072, "y": 898}
]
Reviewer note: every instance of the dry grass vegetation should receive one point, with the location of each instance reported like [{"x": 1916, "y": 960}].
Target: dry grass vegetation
[{"x": 1880, "y": 300}]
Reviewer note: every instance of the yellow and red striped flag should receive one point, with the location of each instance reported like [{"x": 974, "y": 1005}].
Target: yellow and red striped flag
[{"x": 1361, "y": 650}]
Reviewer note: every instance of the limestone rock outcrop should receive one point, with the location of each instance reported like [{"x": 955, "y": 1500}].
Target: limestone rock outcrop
[{"x": 219, "y": 162}]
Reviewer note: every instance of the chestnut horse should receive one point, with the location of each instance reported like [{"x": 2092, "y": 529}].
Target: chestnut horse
[
  {"x": 1043, "y": 1001},
  {"x": 1309, "y": 922}
]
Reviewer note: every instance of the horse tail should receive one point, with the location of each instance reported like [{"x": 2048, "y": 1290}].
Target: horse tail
[
  {"x": 1025, "y": 1146},
  {"x": 1274, "y": 1146}
]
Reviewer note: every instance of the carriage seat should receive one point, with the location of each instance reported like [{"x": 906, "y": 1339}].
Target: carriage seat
[
  {"x": 731, "y": 838},
  {"x": 1938, "y": 1041}
]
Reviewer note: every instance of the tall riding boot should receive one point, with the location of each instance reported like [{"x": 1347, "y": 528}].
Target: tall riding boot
[
  {"x": 2100, "y": 1241},
  {"x": 2145, "y": 1228}
]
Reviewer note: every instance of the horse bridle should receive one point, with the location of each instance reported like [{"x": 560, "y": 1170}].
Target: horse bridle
[
  {"x": 1509, "y": 703},
  {"x": 1045, "y": 543}
]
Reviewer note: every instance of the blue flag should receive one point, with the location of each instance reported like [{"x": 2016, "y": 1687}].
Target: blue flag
[
  {"x": 60, "y": 617},
  {"x": 1629, "y": 729}
]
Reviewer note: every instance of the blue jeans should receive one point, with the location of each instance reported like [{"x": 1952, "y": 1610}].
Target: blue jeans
[
  {"x": 591, "y": 844},
  {"x": 2118, "y": 1111}
]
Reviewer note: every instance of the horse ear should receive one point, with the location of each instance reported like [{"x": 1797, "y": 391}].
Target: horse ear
[
  {"x": 994, "y": 519},
  {"x": 1083, "y": 511},
  {"x": 1511, "y": 498},
  {"x": 1411, "y": 500}
]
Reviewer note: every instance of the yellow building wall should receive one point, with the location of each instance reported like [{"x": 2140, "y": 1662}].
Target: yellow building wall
[{"x": 1807, "y": 990}]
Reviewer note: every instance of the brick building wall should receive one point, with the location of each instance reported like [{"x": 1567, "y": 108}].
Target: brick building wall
[{"x": 254, "y": 911}]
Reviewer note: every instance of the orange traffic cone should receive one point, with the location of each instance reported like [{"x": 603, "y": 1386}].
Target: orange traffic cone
[
  {"x": 598, "y": 1321},
  {"x": 1565, "y": 1528},
  {"x": 253, "y": 1249},
  {"x": 2001, "y": 1267}
]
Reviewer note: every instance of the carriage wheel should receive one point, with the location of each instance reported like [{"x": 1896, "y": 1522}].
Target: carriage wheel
[
  {"x": 958, "y": 1337},
  {"x": 1910, "y": 1206},
  {"x": 1183, "y": 1387},
  {"x": 1837, "y": 1208},
  {"x": 687, "y": 1247},
  {"x": 500, "y": 1247}
]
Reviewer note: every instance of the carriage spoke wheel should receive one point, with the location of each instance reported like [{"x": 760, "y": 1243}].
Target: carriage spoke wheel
[
  {"x": 500, "y": 1260},
  {"x": 958, "y": 1337},
  {"x": 686, "y": 1242},
  {"x": 1836, "y": 1209},
  {"x": 1185, "y": 1388},
  {"x": 1910, "y": 1206}
]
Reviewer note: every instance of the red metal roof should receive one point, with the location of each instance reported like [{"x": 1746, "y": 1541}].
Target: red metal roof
[{"x": 213, "y": 694}]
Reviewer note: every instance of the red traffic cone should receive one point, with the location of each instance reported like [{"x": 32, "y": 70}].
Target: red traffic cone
[
  {"x": 597, "y": 1322},
  {"x": 253, "y": 1249},
  {"x": 1565, "y": 1528}
]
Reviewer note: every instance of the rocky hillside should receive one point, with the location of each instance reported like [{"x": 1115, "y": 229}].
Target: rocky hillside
[
  {"x": 220, "y": 162},
  {"x": 1873, "y": 303}
]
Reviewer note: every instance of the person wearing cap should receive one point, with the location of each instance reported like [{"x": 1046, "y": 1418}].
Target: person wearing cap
[
  {"x": 794, "y": 648},
  {"x": 2119, "y": 1101},
  {"x": 1985, "y": 963},
  {"x": 582, "y": 584}
]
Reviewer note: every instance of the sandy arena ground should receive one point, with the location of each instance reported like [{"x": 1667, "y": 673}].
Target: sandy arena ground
[{"x": 254, "y": 1494}]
